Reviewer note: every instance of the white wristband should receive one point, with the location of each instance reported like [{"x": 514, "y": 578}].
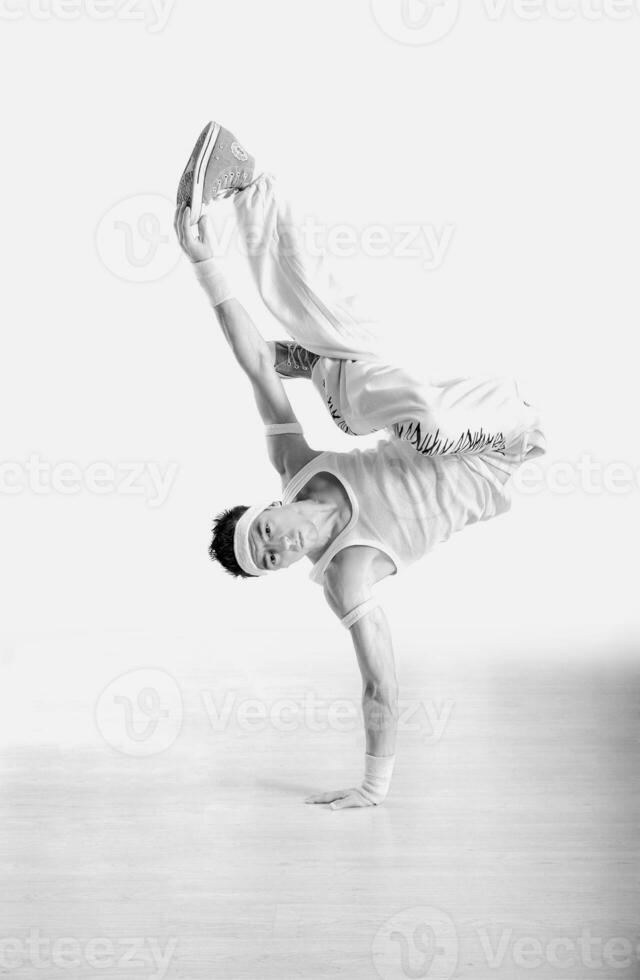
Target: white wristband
[
  {"x": 377, "y": 777},
  {"x": 213, "y": 281}
]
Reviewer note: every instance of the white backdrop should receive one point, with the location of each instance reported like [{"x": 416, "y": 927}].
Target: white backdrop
[{"x": 505, "y": 152}]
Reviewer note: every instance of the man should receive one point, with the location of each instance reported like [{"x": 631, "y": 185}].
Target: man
[{"x": 359, "y": 516}]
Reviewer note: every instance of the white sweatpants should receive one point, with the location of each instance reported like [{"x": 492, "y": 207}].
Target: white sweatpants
[{"x": 363, "y": 392}]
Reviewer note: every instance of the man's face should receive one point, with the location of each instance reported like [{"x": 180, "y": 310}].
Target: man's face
[{"x": 280, "y": 536}]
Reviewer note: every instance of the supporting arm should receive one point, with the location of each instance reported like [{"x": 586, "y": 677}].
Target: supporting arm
[
  {"x": 348, "y": 585},
  {"x": 374, "y": 649}
]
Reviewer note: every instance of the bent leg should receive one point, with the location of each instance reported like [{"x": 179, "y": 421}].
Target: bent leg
[
  {"x": 362, "y": 392},
  {"x": 460, "y": 416},
  {"x": 468, "y": 416}
]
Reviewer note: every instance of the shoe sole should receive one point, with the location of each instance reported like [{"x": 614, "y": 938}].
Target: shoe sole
[
  {"x": 185, "y": 187},
  {"x": 200, "y": 170}
]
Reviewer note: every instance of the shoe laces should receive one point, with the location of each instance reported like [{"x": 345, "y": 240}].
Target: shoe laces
[
  {"x": 230, "y": 180},
  {"x": 298, "y": 357}
]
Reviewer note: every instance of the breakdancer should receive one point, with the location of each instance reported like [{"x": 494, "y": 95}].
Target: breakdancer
[{"x": 449, "y": 450}]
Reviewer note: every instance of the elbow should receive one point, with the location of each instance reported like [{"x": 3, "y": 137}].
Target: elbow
[
  {"x": 384, "y": 693},
  {"x": 263, "y": 361}
]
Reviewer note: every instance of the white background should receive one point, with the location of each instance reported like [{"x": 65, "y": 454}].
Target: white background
[{"x": 520, "y": 134}]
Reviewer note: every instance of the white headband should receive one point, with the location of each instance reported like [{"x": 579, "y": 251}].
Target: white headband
[{"x": 241, "y": 539}]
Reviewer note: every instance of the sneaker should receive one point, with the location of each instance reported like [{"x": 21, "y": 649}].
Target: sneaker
[
  {"x": 218, "y": 167},
  {"x": 291, "y": 360}
]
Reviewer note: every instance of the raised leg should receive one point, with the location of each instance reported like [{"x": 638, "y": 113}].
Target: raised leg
[{"x": 297, "y": 288}]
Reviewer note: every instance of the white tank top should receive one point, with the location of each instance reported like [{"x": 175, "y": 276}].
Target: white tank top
[{"x": 404, "y": 503}]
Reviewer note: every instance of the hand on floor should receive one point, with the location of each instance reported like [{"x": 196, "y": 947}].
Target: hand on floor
[{"x": 341, "y": 799}]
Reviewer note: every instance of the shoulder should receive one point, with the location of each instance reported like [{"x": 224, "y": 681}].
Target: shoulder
[
  {"x": 295, "y": 460},
  {"x": 349, "y": 577},
  {"x": 289, "y": 453}
]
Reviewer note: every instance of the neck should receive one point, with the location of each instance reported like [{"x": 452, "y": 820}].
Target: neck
[{"x": 327, "y": 517}]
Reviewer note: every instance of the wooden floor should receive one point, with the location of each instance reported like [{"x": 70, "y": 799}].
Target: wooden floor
[{"x": 510, "y": 844}]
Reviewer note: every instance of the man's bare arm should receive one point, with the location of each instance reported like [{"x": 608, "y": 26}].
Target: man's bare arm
[
  {"x": 249, "y": 349},
  {"x": 254, "y": 357},
  {"x": 348, "y": 584},
  {"x": 374, "y": 649}
]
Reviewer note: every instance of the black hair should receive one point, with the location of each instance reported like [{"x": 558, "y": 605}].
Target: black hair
[{"x": 221, "y": 547}]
